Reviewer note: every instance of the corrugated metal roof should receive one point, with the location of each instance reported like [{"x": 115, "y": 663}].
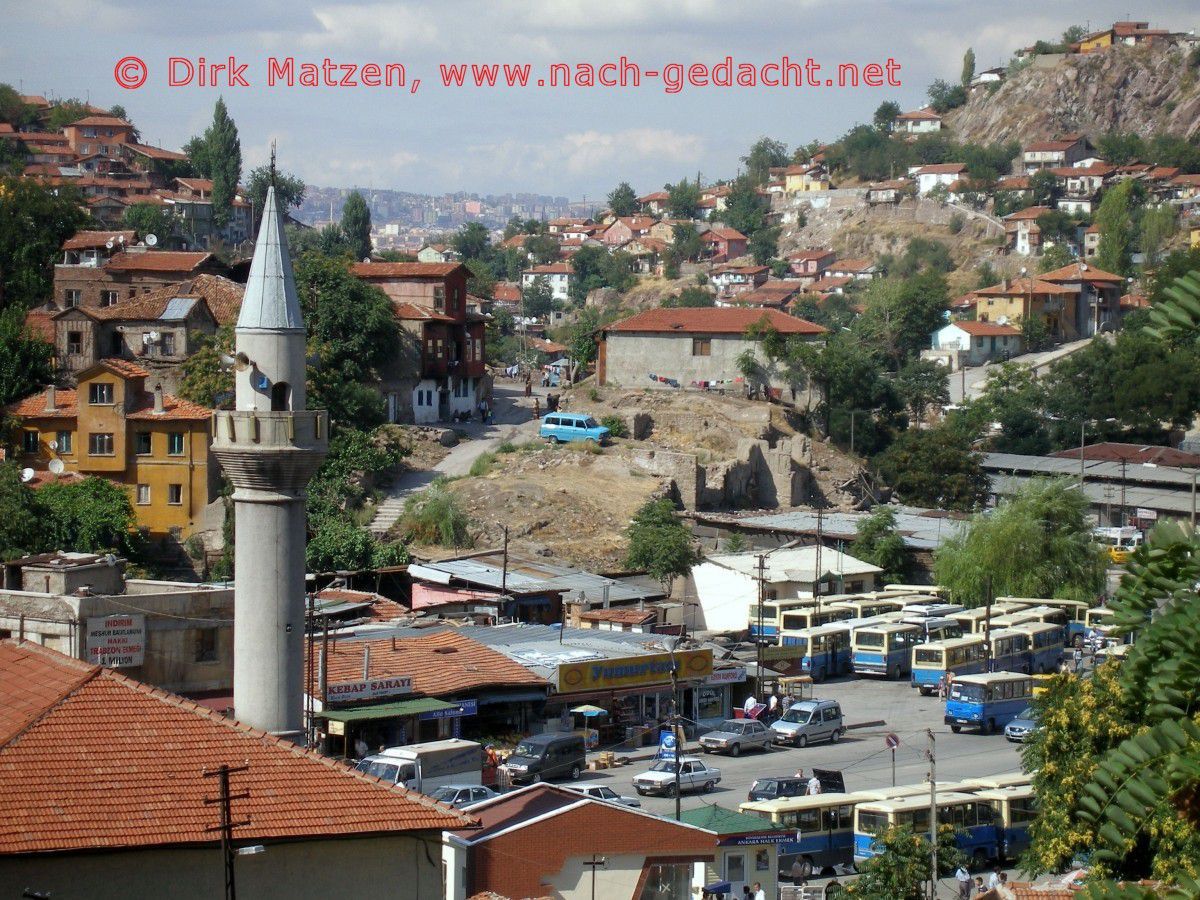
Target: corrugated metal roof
[
  {"x": 795, "y": 564},
  {"x": 920, "y": 530},
  {"x": 482, "y": 573},
  {"x": 1097, "y": 470},
  {"x": 177, "y": 309}
]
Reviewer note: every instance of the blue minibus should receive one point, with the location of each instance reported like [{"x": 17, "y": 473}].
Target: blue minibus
[{"x": 987, "y": 701}]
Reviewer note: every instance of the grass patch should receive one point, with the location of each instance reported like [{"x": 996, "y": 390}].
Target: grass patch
[
  {"x": 589, "y": 447},
  {"x": 531, "y": 446},
  {"x": 507, "y": 447},
  {"x": 483, "y": 464}
]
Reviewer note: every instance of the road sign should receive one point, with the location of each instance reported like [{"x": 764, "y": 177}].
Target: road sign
[{"x": 891, "y": 741}]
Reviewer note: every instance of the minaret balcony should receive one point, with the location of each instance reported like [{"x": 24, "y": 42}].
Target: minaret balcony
[{"x": 249, "y": 428}]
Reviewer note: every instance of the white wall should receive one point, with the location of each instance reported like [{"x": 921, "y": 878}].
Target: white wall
[{"x": 724, "y": 597}]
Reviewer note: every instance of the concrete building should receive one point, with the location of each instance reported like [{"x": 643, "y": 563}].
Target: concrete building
[
  {"x": 269, "y": 447},
  {"x": 747, "y": 847},
  {"x": 109, "y": 787},
  {"x": 557, "y": 276},
  {"x": 929, "y": 177},
  {"x": 726, "y": 585},
  {"x": 976, "y": 343},
  {"x": 919, "y": 121},
  {"x": 674, "y": 348}
]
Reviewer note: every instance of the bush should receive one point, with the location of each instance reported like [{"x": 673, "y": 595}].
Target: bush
[
  {"x": 507, "y": 447},
  {"x": 482, "y": 465},
  {"x": 616, "y": 426},
  {"x": 956, "y": 223},
  {"x": 594, "y": 395},
  {"x": 436, "y": 516}
]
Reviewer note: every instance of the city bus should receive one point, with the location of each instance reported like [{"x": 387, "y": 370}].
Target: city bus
[
  {"x": 1046, "y": 645},
  {"x": 923, "y": 610},
  {"x": 823, "y": 826},
  {"x": 797, "y": 619},
  {"x": 974, "y": 621},
  {"x": 1075, "y": 610},
  {"x": 935, "y": 628},
  {"x": 884, "y": 649},
  {"x": 825, "y": 649},
  {"x": 1010, "y": 651},
  {"x": 772, "y": 609},
  {"x": 973, "y": 819},
  {"x": 1098, "y": 617},
  {"x": 925, "y": 590},
  {"x": 993, "y": 782},
  {"x": 868, "y": 606},
  {"x": 1015, "y": 809},
  {"x": 958, "y": 656},
  {"x": 987, "y": 701}
]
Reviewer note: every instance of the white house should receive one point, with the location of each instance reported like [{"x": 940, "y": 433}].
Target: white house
[
  {"x": 919, "y": 121},
  {"x": 558, "y": 275},
  {"x": 726, "y": 585},
  {"x": 978, "y": 342},
  {"x": 929, "y": 177}
]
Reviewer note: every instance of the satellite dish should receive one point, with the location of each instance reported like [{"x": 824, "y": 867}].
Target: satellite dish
[
  {"x": 56, "y": 466},
  {"x": 154, "y": 337},
  {"x": 261, "y": 382},
  {"x": 241, "y": 362},
  {"x": 27, "y": 474},
  {"x": 53, "y": 445},
  {"x": 151, "y": 240},
  {"x": 1003, "y": 320},
  {"x": 110, "y": 243}
]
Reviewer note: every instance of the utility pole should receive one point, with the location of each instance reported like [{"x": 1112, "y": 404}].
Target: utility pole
[
  {"x": 987, "y": 624},
  {"x": 758, "y": 638},
  {"x": 227, "y": 824},
  {"x": 504, "y": 570},
  {"x": 817, "y": 564},
  {"x": 675, "y": 730},
  {"x": 597, "y": 862},
  {"x": 933, "y": 818}
]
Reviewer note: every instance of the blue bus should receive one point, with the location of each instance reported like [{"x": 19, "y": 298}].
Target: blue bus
[
  {"x": 823, "y": 825},
  {"x": 958, "y": 656},
  {"x": 811, "y": 616},
  {"x": 865, "y": 607},
  {"x": 1015, "y": 808},
  {"x": 934, "y": 628},
  {"x": 826, "y": 649},
  {"x": 973, "y": 819},
  {"x": 884, "y": 649},
  {"x": 1075, "y": 613},
  {"x": 1009, "y": 650},
  {"x": 772, "y": 610},
  {"x": 988, "y": 701},
  {"x": 1046, "y": 646}
]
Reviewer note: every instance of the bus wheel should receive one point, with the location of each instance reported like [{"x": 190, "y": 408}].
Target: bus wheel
[
  {"x": 956, "y": 728},
  {"x": 979, "y": 859},
  {"x": 989, "y": 727},
  {"x": 818, "y": 675},
  {"x": 925, "y": 692}
]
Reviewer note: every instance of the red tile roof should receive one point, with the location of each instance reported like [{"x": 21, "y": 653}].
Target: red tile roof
[
  {"x": 411, "y": 312},
  {"x": 942, "y": 169},
  {"x": 505, "y": 291},
  {"x": 34, "y": 406},
  {"x": 657, "y": 195},
  {"x": 558, "y": 268},
  {"x": 204, "y": 185},
  {"x": 818, "y": 254},
  {"x": 724, "y": 234},
  {"x": 1135, "y": 301},
  {"x": 1023, "y": 286},
  {"x": 439, "y": 664},
  {"x": 121, "y": 367},
  {"x": 986, "y": 329},
  {"x": 851, "y": 265},
  {"x": 158, "y": 261},
  {"x": 1114, "y": 451},
  {"x": 829, "y": 283},
  {"x": 174, "y": 409},
  {"x": 919, "y": 115},
  {"x": 109, "y": 121},
  {"x": 40, "y": 324},
  {"x": 1050, "y": 146},
  {"x": 1080, "y": 272},
  {"x": 740, "y": 269},
  {"x": 93, "y": 760},
  {"x": 404, "y": 269},
  {"x": 714, "y": 320},
  {"x": 1029, "y": 212},
  {"x": 94, "y": 240},
  {"x": 157, "y": 152},
  {"x": 620, "y": 615}
]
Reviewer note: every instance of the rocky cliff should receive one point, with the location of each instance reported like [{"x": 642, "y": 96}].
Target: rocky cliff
[{"x": 1140, "y": 89}]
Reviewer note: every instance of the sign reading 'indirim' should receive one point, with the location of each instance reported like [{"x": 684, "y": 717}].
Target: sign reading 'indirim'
[{"x": 116, "y": 641}]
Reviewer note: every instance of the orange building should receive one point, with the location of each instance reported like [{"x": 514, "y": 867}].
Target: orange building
[{"x": 153, "y": 444}]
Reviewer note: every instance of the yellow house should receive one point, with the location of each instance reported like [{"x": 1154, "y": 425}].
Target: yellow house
[
  {"x": 1018, "y": 300},
  {"x": 1096, "y": 41},
  {"x": 803, "y": 178},
  {"x": 1195, "y": 242},
  {"x": 153, "y": 444}
]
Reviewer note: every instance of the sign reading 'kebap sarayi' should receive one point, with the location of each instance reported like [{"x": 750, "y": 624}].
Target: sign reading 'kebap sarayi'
[
  {"x": 632, "y": 671},
  {"x": 367, "y": 689}
]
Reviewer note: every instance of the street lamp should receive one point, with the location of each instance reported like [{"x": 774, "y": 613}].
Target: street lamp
[{"x": 1194, "y": 473}]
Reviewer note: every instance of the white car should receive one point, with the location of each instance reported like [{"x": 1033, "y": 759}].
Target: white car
[
  {"x": 694, "y": 775},
  {"x": 603, "y": 792}
]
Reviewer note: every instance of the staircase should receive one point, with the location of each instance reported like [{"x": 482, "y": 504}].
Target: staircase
[{"x": 387, "y": 514}]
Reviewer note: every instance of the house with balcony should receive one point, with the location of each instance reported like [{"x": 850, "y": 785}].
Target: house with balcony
[
  {"x": 944, "y": 174},
  {"x": 1022, "y": 234},
  {"x": 116, "y": 426},
  {"x": 1097, "y": 296},
  {"x": 1025, "y": 299},
  {"x": 731, "y": 280},
  {"x": 976, "y": 343},
  {"x": 438, "y": 368},
  {"x": 103, "y": 268},
  {"x": 1056, "y": 154}
]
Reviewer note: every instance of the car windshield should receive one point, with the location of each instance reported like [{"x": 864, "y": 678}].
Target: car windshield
[
  {"x": 766, "y": 785},
  {"x": 445, "y": 794},
  {"x": 589, "y": 422},
  {"x": 525, "y": 748},
  {"x": 1027, "y": 713},
  {"x": 664, "y": 765},
  {"x": 730, "y": 726},
  {"x": 384, "y": 771},
  {"x": 798, "y": 715},
  {"x": 605, "y": 793}
]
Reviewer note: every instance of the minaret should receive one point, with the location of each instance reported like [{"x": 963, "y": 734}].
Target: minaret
[{"x": 269, "y": 448}]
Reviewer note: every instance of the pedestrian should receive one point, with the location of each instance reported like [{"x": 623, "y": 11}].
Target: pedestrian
[
  {"x": 537, "y": 408},
  {"x": 772, "y": 704},
  {"x": 748, "y": 706},
  {"x": 759, "y": 893},
  {"x": 1077, "y": 656},
  {"x": 797, "y": 872},
  {"x": 787, "y": 703},
  {"x": 746, "y": 895},
  {"x": 799, "y": 774},
  {"x": 942, "y": 687},
  {"x": 528, "y": 383},
  {"x": 360, "y": 747},
  {"x": 994, "y": 879},
  {"x": 963, "y": 877},
  {"x": 814, "y": 785},
  {"x": 978, "y": 885}
]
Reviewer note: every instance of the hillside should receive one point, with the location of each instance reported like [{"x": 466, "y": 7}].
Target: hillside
[{"x": 1144, "y": 89}]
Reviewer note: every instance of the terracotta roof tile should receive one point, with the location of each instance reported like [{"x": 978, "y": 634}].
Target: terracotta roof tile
[
  {"x": 404, "y": 270},
  {"x": 40, "y": 324},
  {"x": 158, "y": 261},
  {"x": 411, "y": 312},
  {"x": 919, "y": 115},
  {"x": 851, "y": 265},
  {"x": 34, "y": 406},
  {"x": 559, "y": 268},
  {"x": 1029, "y": 212},
  {"x": 123, "y": 367},
  {"x": 93, "y": 240},
  {"x": 109, "y": 121},
  {"x": 1081, "y": 272},
  {"x": 156, "y": 152},
  {"x": 714, "y": 320},
  {"x": 174, "y": 408},
  {"x": 1019, "y": 286},
  {"x": 94, "y": 760},
  {"x": 829, "y": 283},
  {"x": 986, "y": 329},
  {"x": 620, "y": 615},
  {"x": 222, "y": 296},
  {"x": 942, "y": 169}
]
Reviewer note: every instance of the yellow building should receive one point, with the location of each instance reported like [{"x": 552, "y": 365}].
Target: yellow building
[
  {"x": 1195, "y": 236},
  {"x": 804, "y": 178},
  {"x": 1018, "y": 300},
  {"x": 1096, "y": 41},
  {"x": 153, "y": 444}
]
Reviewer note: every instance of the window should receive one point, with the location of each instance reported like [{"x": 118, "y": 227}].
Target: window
[
  {"x": 142, "y": 443},
  {"x": 143, "y": 495},
  {"x": 175, "y": 443},
  {"x": 168, "y": 344},
  {"x": 735, "y": 867},
  {"x": 74, "y": 343},
  {"x": 30, "y": 441},
  {"x": 64, "y": 442},
  {"x": 175, "y": 494},
  {"x": 100, "y": 393},
  {"x": 71, "y": 297},
  {"x": 108, "y": 298},
  {"x": 118, "y": 343},
  {"x": 701, "y": 346},
  {"x": 439, "y": 297},
  {"x": 206, "y": 645},
  {"x": 100, "y": 444}
]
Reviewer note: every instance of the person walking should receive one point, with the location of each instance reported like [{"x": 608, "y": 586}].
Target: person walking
[
  {"x": 797, "y": 872},
  {"x": 994, "y": 879},
  {"x": 1077, "y": 656},
  {"x": 537, "y": 408},
  {"x": 528, "y": 383},
  {"x": 814, "y": 785},
  {"x": 759, "y": 893},
  {"x": 963, "y": 877}
]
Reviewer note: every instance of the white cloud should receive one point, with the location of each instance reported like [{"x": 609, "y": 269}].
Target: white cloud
[{"x": 389, "y": 27}]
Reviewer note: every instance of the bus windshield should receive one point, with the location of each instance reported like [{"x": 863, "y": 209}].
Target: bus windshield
[
  {"x": 868, "y": 639},
  {"x": 872, "y": 822},
  {"x": 929, "y": 655},
  {"x": 969, "y": 693}
]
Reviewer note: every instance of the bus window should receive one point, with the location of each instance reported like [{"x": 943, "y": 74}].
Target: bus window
[
  {"x": 929, "y": 655},
  {"x": 968, "y": 693},
  {"x": 1021, "y": 811},
  {"x": 872, "y": 822}
]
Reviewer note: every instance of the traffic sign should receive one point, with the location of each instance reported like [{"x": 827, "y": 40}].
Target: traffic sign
[{"x": 891, "y": 741}]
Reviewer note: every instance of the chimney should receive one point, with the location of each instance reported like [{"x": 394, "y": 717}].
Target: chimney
[
  {"x": 605, "y": 604},
  {"x": 50, "y": 399},
  {"x": 158, "y": 399}
]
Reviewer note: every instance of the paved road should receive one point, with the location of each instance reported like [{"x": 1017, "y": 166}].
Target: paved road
[{"x": 976, "y": 376}]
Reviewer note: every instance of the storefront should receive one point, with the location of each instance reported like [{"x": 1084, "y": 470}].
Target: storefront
[
  {"x": 713, "y": 701},
  {"x": 747, "y": 849}
]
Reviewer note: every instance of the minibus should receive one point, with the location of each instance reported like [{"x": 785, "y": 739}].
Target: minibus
[
  {"x": 772, "y": 609},
  {"x": 884, "y": 649},
  {"x": 1015, "y": 809},
  {"x": 958, "y": 656},
  {"x": 1076, "y": 612},
  {"x": 823, "y": 827},
  {"x": 1045, "y": 645},
  {"x": 796, "y": 619},
  {"x": 974, "y": 621},
  {"x": 935, "y": 628},
  {"x": 987, "y": 701},
  {"x": 868, "y": 606},
  {"x": 973, "y": 819},
  {"x": 1009, "y": 651},
  {"x": 826, "y": 649}
]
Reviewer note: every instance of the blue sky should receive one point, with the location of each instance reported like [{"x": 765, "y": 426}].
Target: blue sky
[{"x": 570, "y": 142}]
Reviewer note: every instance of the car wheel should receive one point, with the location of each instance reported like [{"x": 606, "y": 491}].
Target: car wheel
[
  {"x": 553, "y": 439},
  {"x": 671, "y": 789},
  {"x": 706, "y": 750},
  {"x": 802, "y": 741},
  {"x": 956, "y": 728},
  {"x": 818, "y": 676},
  {"x": 735, "y": 750},
  {"x": 535, "y": 778},
  {"x": 641, "y": 793},
  {"x": 836, "y": 736},
  {"x": 925, "y": 692},
  {"x": 708, "y": 786},
  {"x": 575, "y": 770}
]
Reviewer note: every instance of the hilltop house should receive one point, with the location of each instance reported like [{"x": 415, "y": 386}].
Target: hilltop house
[
  {"x": 929, "y": 177},
  {"x": 94, "y": 276},
  {"x": 1026, "y": 299},
  {"x": 723, "y": 244},
  {"x": 557, "y": 275},
  {"x": 730, "y": 280},
  {"x": 976, "y": 343},
  {"x": 1056, "y": 154},
  {"x": 1097, "y": 296},
  {"x": 1022, "y": 234},
  {"x": 919, "y": 121}
]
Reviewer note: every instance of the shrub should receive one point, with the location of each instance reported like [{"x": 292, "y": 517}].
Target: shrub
[
  {"x": 956, "y": 223},
  {"x": 483, "y": 464},
  {"x": 436, "y": 516},
  {"x": 594, "y": 395},
  {"x": 507, "y": 447},
  {"x": 616, "y": 426}
]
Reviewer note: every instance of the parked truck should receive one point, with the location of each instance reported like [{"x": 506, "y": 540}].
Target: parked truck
[{"x": 428, "y": 766}]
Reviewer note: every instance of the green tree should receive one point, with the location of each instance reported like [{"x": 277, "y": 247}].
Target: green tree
[
  {"x": 968, "y": 68},
  {"x": 1157, "y": 228},
  {"x": 690, "y": 297},
  {"x": 879, "y": 543},
  {"x": 686, "y": 244},
  {"x": 289, "y": 191},
  {"x": 34, "y": 222},
  {"x": 885, "y": 115},
  {"x": 13, "y": 109},
  {"x": 1043, "y": 187},
  {"x": 356, "y": 225},
  {"x": 1117, "y": 220},
  {"x": 765, "y": 154},
  {"x": 921, "y": 384},
  {"x": 20, "y": 519},
  {"x": 222, "y": 155},
  {"x": 473, "y": 241},
  {"x": 764, "y": 244},
  {"x": 901, "y": 314},
  {"x": 543, "y": 248},
  {"x": 659, "y": 543},
  {"x": 1037, "y": 543},
  {"x": 935, "y": 468},
  {"x": 1055, "y": 257},
  {"x": 93, "y": 515},
  {"x": 197, "y": 152},
  {"x": 64, "y": 112},
  {"x": 622, "y": 200},
  {"x": 900, "y": 868},
  {"x": 206, "y": 380},
  {"x": 944, "y": 96},
  {"x": 537, "y": 298},
  {"x": 150, "y": 218},
  {"x": 745, "y": 207},
  {"x": 25, "y": 360},
  {"x": 1121, "y": 148},
  {"x": 684, "y": 199}
]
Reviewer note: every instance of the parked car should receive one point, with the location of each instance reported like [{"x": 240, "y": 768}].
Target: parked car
[
  {"x": 809, "y": 721},
  {"x": 603, "y": 792},
  {"x": 545, "y": 756},
  {"x": 562, "y": 427},
  {"x": 460, "y": 795},
  {"x": 735, "y": 735},
  {"x": 1021, "y": 729},
  {"x": 694, "y": 775},
  {"x": 776, "y": 788}
]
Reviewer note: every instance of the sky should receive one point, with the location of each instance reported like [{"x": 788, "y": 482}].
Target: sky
[{"x": 565, "y": 141}]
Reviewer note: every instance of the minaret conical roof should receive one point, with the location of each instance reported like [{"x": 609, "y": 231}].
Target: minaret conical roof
[{"x": 270, "y": 300}]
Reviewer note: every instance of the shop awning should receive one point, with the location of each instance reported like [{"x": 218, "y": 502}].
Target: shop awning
[{"x": 386, "y": 710}]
